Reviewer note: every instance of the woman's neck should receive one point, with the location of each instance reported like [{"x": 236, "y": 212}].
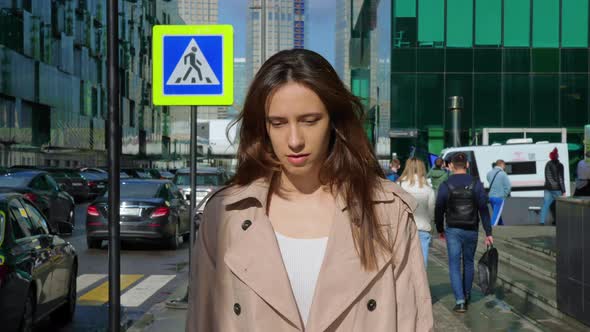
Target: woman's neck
[{"x": 299, "y": 186}]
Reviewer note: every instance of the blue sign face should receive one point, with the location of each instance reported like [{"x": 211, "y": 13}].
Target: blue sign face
[{"x": 193, "y": 65}]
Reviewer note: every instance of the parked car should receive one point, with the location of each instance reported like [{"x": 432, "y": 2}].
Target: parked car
[
  {"x": 97, "y": 183},
  {"x": 150, "y": 210},
  {"x": 75, "y": 184},
  {"x": 138, "y": 173},
  {"x": 165, "y": 175},
  {"x": 41, "y": 189},
  {"x": 208, "y": 179},
  {"x": 38, "y": 269}
]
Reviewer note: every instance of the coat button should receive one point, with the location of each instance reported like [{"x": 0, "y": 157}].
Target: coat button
[
  {"x": 371, "y": 305},
  {"x": 237, "y": 309},
  {"x": 246, "y": 224}
]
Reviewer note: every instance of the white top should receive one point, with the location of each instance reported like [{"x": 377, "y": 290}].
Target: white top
[
  {"x": 425, "y": 197},
  {"x": 303, "y": 259}
]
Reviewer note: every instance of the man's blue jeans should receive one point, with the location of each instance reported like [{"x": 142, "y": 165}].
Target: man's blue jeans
[
  {"x": 425, "y": 238},
  {"x": 549, "y": 198},
  {"x": 461, "y": 244}
]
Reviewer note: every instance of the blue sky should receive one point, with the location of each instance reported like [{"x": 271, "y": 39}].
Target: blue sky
[{"x": 321, "y": 15}]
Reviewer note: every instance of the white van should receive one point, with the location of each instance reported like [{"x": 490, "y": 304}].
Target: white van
[{"x": 525, "y": 164}]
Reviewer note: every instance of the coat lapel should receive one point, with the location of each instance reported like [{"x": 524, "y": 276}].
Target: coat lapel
[
  {"x": 342, "y": 278},
  {"x": 255, "y": 259}
]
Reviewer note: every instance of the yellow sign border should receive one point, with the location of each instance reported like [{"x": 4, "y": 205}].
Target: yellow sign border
[{"x": 158, "y": 96}]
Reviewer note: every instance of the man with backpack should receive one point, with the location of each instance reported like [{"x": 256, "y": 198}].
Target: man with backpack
[
  {"x": 499, "y": 190},
  {"x": 462, "y": 202}
]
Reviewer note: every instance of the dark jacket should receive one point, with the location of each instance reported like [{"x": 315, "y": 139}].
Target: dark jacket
[
  {"x": 554, "y": 176},
  {"x": 441, "y": 210}
]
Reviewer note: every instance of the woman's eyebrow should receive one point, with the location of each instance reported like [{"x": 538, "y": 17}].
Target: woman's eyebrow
[{"x": 276, "y": 117}]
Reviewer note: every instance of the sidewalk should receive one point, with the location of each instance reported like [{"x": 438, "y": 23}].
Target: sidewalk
[{"x": 484, "y": 314}]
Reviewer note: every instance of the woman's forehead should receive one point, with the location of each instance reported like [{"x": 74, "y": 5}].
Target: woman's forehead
[{"x": 294, "y": 99}]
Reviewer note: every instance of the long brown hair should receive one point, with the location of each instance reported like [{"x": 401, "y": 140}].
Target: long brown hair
[{"x": 351, "y": 166}]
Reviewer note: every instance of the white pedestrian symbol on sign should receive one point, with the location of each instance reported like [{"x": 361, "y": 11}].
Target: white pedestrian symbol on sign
[{"x": 192, "y": 68}]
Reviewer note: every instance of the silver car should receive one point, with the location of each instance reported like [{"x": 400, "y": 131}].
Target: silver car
[{"x": 208, "y": 180}]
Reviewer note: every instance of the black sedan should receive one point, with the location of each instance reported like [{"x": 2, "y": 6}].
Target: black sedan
[
  {"x": 73, "y": 181},
  {"x": 97, "y": 183},
  {"x": 41, "y": 189},
  {"x": 151, "y": 210},
  {"x": 38, "y": 269}
]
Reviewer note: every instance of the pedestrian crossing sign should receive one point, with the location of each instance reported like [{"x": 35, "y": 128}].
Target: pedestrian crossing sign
[{"x": 192, "y": 65}]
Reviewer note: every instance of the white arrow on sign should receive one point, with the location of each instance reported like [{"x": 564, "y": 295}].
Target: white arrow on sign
[{"x": 193, "y": 68}]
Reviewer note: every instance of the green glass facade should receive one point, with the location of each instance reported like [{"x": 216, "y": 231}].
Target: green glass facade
[{"x": 517, "y": 63}]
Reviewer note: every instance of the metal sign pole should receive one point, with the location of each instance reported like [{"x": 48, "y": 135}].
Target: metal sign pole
[
  {"x": 193, "y": 180},
  {"x": 114, "y": 152}
]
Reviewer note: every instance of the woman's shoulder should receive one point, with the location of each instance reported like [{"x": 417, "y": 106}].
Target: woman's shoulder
[
  {"x": 234, "y": 193},
  {"x": 388, "y": 188}
]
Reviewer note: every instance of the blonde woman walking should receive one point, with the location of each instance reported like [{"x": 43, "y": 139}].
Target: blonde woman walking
[{"x": 413, "y": 180}]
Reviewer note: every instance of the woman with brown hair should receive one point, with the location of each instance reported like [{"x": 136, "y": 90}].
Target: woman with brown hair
[{"x": 309, "y": 235}]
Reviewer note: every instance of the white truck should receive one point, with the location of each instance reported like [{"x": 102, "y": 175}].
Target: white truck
[{"x": 525, "y": 163}]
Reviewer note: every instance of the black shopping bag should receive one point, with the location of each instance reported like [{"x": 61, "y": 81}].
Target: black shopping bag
[{"x": 487, "y": 270}]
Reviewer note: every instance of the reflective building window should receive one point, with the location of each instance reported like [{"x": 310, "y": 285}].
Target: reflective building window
[
  {"x": 517, "y": 23},
  {"x": 488, "y": 22},
  {"x": 459, "y": 23},
  {"x": 545, "y": 23},
  {"x": 431, "y": 23},
  {"x": 574, "y": 23}
]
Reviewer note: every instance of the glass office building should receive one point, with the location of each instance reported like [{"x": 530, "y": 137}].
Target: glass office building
[
  {"x": 53, "y": 82},
  {"x": 516, "y": 63}
]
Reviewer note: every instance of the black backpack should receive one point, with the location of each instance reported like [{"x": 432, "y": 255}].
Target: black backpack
[{"x": 462, "y": 208}]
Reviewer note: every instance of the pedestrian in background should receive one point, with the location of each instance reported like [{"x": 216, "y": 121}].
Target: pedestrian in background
[
  {"x": 394, "y": 166},
  {"x": 413, "y": 180},
  {"x": 554, "y": 185},
  {"x": 308, "y": 193},
  {"x": 583, "y": 177},
  {"x": 500, "y": 188},
  {"x": 461, "y": 203},
  {"x": 437, "y": 174}
]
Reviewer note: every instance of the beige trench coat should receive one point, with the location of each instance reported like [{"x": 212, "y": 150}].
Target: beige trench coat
[{"x": 239, "y": 282}]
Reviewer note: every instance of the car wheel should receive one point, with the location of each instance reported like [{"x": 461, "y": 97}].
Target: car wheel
[
  {"x": 27, "y": 322},
  {"x": 65, "y": 313},
  {"x": 93, "y": 243},
  {"x": 174, "y": 241}
]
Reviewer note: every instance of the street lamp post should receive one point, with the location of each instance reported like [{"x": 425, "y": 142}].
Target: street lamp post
[{"x": 114, "y": 152}]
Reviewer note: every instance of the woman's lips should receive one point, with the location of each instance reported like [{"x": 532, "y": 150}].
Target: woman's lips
[{"x": 297, "y": 159}]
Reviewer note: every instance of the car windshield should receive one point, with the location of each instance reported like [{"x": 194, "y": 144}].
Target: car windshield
[
  {"x": 91, "y": 176},
  {"x": 59, "y": 175},
  {"x": 139, "y": 189},
  {"x": 144, "y": 175},
  {"x": 14, "y": 180},
  {"x": 202, "y": 180}
]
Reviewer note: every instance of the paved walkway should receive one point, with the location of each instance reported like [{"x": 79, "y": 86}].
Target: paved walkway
[{"x": 484, "y": 314}]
